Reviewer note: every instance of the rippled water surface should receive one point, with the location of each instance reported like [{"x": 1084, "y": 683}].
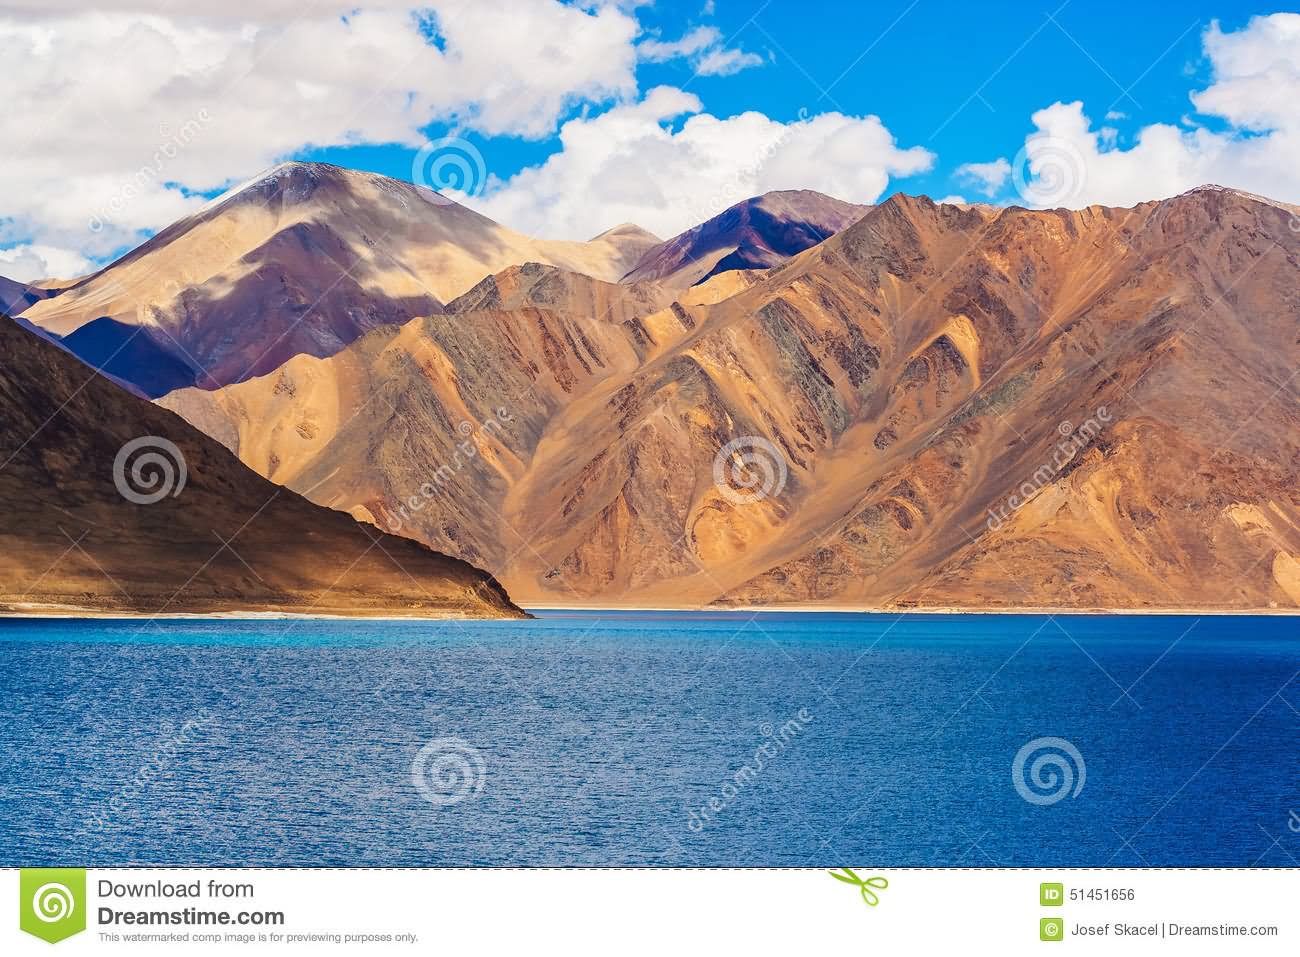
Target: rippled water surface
[{"x": 602, "y": 739}]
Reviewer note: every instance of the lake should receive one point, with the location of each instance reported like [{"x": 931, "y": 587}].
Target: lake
[{"x": 600, "y": 738}]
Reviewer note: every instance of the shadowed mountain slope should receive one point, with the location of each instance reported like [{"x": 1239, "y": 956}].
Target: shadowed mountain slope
[{"x": 71, "y": 538}]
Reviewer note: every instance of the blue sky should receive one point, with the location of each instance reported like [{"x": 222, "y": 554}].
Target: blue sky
[
  {"x": 958, "y": 78},
  {"x": 562, "y": 118}
]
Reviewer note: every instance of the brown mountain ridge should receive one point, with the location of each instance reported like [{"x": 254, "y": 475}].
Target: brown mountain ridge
[{"x": 938, "y": 406}]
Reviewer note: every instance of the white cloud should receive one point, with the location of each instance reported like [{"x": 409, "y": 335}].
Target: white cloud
[
  {"x": 1254, "y": 92},
  {"x": 1256, "y": 73},
  {"x": 248, "y": 11},
  {"x": 28, "y": 262},
  {"x": 722, "y": 62},
  {"x": 704, "y": 48},
  {"x": 627, "y": 165},
  {"x": 988, "y": 178},
  {"x": 95, "y": 99},
  {"x": 696, "y": 41}
]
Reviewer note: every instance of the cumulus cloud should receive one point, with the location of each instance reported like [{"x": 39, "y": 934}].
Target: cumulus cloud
[
  {"x": 115, "y": 117},
  {"x": 1254, "y": 96},
  {"x": 704, "y": 48},
  {"x": 29, "y": 262},
  {"x": 628, "y": 164},
  {"x": 988, "y": 178}
]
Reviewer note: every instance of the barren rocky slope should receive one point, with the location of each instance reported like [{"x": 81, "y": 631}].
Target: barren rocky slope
[
  {"x": 940, "y": 406},
  {"x": 71, "y": 538}
]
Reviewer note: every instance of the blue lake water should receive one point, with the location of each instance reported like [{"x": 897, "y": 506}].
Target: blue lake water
[{"x": 652, "y": 739}]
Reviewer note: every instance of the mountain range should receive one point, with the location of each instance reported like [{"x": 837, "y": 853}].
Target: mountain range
[
  {"x": 308, "y": 257},
  {"x": 801, "y": 402}
]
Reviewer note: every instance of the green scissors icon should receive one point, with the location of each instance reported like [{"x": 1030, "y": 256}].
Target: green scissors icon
[{"x": 868, "y": 894}]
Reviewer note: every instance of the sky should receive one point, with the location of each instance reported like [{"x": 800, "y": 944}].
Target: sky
[{"x": 564, "y": 119}]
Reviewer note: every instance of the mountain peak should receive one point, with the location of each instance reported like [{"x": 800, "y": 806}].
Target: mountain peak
[
  {"x": 755, "y": 233},
  {"x": 294, "y": 181},
  {"x": 1214, "y": 189},
  {"x": 626, "y": 230}
]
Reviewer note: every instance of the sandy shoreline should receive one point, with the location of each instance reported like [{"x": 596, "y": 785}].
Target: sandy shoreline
[
  {"x": 936, "y": 610},
  {"x": 75, "y": 612}
]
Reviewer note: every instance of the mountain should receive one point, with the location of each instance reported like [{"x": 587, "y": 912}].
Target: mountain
[
  {"x": 78, "y": 534},
  {"x": 612, "y": 254},
  {"x": 942, "y": 406},
  {"x": 756, "y": 234},
  {"x": 17, "y": 296},
  {"x": 1062, "y": 408},
  {"x": 301, "y": 260},
  {"x": 537, "y": 284}
]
